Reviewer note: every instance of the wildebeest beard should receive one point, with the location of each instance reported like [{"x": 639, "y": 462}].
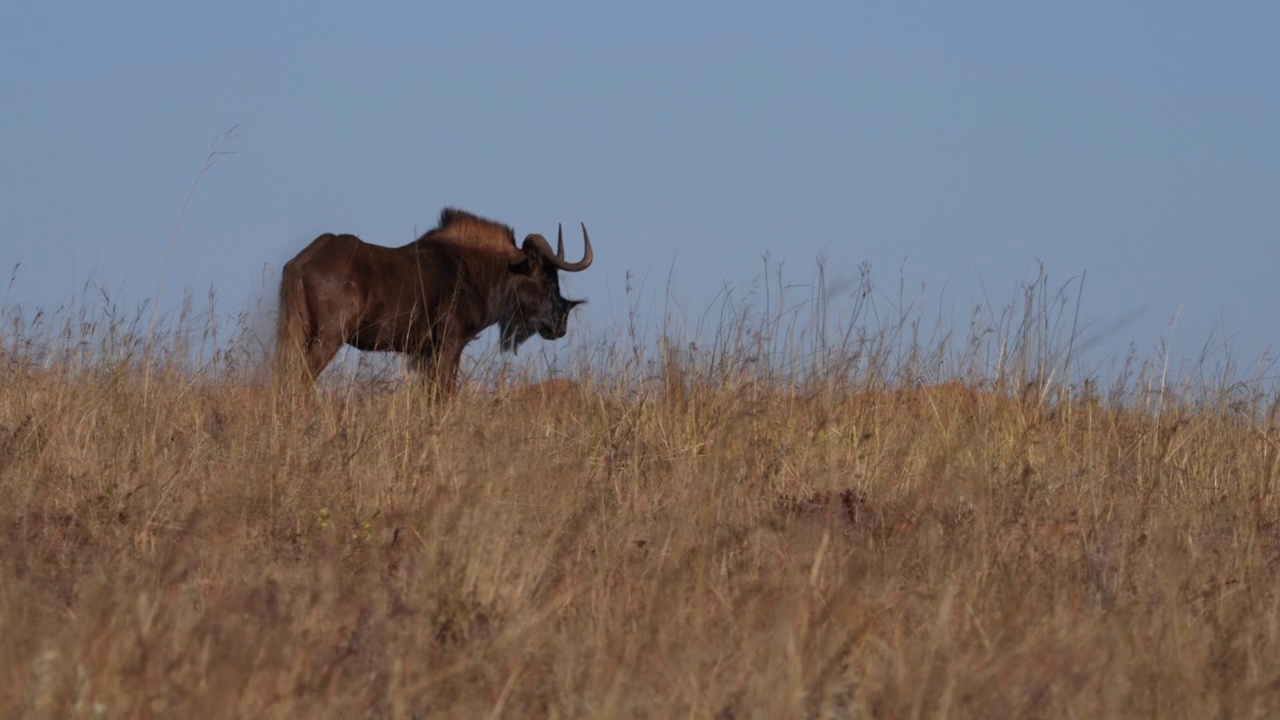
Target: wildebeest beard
[
  {"x": 514, "y": 333},
  {"x": 515, "y": 330}
]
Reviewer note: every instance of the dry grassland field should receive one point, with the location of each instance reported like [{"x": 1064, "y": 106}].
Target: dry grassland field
[{"x": 771, "y": 526}]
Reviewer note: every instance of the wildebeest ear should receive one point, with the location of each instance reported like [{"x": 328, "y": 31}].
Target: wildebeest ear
[{"x": 521, "y": 268}]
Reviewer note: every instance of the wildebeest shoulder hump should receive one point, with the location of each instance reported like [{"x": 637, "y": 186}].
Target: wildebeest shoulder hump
[{"x": 460, "y": 226}]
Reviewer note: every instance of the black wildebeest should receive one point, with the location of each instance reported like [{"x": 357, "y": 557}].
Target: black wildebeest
[{"x": 427, "y": 299}]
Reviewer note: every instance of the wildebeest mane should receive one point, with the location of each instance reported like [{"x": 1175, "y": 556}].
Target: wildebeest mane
[{"x": 461, "y": 227}]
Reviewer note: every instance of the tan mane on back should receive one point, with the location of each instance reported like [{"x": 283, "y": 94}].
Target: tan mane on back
[{"x": 463, "y": 228}]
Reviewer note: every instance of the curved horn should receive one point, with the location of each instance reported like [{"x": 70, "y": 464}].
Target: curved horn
[{"x": 557, "y": 258}]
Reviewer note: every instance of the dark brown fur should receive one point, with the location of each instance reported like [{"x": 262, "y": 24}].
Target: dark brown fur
[{"x": 427, "y": 299}]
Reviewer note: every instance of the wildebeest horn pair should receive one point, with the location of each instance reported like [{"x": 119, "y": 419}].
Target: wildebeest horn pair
[{"x": 537, "y": 241}]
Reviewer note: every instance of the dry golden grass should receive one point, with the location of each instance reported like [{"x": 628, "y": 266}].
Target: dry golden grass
[{"x": 181, "y": 544}]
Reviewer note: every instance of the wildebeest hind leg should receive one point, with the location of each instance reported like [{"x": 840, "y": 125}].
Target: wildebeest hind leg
[{"x": 319, "y": 352}]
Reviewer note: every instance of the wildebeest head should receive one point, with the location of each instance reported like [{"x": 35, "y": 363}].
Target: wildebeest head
[{"x": 540, "y": 308}]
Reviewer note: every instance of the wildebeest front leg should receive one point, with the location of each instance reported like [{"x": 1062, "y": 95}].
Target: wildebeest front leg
[
  {"x": 439, "y": 368},
  {"x": 427, "y": 367},
  {"x": 450, "y": 359}
]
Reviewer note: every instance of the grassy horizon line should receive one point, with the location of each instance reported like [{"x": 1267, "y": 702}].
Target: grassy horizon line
[{"x": 782, "y": 509}]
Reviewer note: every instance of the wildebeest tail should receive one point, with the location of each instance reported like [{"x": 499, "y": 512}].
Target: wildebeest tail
[{"x": 292, "y": 324}]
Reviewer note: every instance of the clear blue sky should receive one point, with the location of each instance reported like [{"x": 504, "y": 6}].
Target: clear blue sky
[{"x": 954, "y": 143}]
